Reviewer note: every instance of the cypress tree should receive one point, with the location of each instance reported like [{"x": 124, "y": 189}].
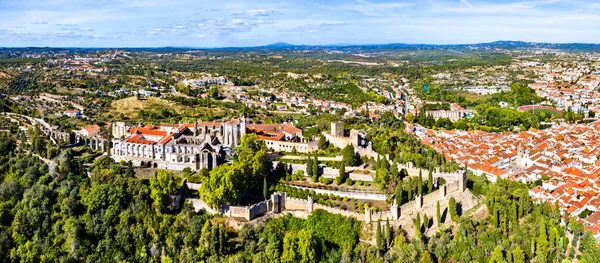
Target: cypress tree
[
  {"x": 430, "y": 181},
  {"x": 452, "y": 209},
  {"x": 309, "y": 166},
  {"x": 316, "y": 166},
  {"x": 389, "y": 235},
  {"x": 265, "y": 188},
  {"x": 342, "y": 176},
  {"x": 379, "y": 237}
]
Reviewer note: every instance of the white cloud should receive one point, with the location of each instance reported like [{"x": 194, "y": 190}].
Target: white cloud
[
  {"x": 257, "y": 12},
  {"x": 466, "y": 2}
]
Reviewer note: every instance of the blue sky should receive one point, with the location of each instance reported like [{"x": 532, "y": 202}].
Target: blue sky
[{"x": 155, "y": 23}]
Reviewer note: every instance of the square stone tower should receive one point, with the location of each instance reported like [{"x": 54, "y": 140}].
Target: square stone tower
[{"x": 337, "y": 129}]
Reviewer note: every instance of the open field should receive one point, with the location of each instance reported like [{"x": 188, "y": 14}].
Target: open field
[
  {"x": 547, "y": 111},
  {"x": 544, "y": 109},
  {"x": 130, "y": 108}
]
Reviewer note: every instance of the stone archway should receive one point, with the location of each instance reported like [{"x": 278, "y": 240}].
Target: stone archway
[
  {"x": 142, "y": 164},
  {"x": 155, "y": 165}
]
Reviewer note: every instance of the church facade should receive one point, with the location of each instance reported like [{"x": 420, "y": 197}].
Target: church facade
[{"x": 177, "y": 146}]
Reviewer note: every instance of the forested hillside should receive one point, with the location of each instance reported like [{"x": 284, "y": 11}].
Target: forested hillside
[{"x": 54, "y": 214}]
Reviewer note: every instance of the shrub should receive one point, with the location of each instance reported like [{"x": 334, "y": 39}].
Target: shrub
[
  {"x": 349, "y": 182},
  {"x": 324, "y": 180}
]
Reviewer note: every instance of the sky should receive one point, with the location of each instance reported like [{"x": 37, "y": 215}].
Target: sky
[{"x": 242, "y": 23}]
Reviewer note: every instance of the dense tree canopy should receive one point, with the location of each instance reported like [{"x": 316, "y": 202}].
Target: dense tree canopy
[{"x": 245, "y": 176}]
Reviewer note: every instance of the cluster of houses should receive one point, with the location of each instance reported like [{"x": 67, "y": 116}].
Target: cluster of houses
[
  {"x": 284, "y": 100},
  {"x": 571, "y": 86},
  {"x": 564, "y": 157}
]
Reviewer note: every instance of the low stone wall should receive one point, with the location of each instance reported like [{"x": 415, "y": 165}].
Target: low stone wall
[
  {"x": 259, "y": 209},
  {"x": 296, "y": 204},
  {"x": 382, "y": 216},
  {"x": 238, "y": 211},
  {"x": 452, "y": 186},
  {"x": 198, "y": 205},
  {"x": 361, "y": 177},
  {"x": 410, "y": 206}
]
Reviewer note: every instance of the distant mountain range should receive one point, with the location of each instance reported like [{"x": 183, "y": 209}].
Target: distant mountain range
[
  {"x": 505, "y": 45},
  {"x": 491, "y": 45}
]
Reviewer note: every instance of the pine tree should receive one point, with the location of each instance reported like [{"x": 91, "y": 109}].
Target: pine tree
[
  {"x": 379, "y": 236},
  {"x": 430, "y": 181},
  {"x": 438, "y": 214}
]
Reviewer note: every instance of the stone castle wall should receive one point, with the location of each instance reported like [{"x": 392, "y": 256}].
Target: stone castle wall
[{"x": 296, "y": 203}]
